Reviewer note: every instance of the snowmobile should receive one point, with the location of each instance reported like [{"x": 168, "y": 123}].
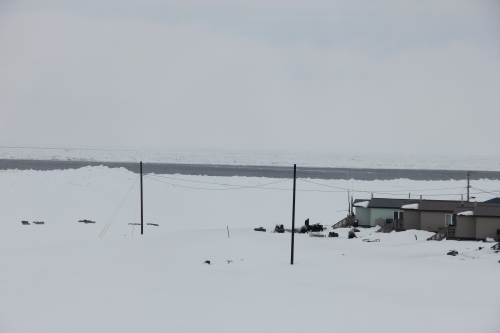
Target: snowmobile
[
  {"x": 279, "y": 229},
  {"x": 314, "y": 227}
]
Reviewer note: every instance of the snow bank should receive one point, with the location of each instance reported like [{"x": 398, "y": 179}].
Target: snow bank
[
  {"x": 410, "y": 206},
  {"x": 362, "y": 204}
]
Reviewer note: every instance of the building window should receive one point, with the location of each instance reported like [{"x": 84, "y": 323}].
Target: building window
[
  {"x": 398, "y": 215},
  {"x": 448, "y": 220}
]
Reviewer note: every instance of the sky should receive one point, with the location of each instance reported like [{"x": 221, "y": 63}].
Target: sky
[{"x": 419, "y": 77}]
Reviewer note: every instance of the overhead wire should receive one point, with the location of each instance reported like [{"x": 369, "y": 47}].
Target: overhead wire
[
  {"x": 106, "y": 227},
  {"x": 234, "y": 187},
  {"x": 381, "y": 192},
  {"x": 213, "y": 183}
]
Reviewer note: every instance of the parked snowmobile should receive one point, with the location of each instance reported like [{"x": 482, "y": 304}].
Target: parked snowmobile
[{"x": 279, "y": 229}]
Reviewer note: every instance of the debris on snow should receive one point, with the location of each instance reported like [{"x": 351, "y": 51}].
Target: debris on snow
[
  {"x": 86, "y": 221},
  {"x": 371, "y": 240}
]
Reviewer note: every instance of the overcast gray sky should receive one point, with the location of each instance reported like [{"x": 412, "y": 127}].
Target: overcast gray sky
[{"x": 350, "y": 76}]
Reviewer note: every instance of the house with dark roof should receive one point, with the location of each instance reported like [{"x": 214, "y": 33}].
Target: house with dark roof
[
  {"x": 462, "y": 220},
  {"x": 368, "y": 211},
  {"x": 479, "y": 222}
]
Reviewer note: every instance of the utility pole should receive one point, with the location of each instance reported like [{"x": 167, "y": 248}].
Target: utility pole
[
  {"x": 293, "y": 209},
  {"x": 468, "y": 185},
  {"x": 142, "y": 215},
  {"x": 348, "y": 203}
]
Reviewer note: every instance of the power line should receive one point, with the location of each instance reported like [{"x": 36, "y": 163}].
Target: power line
[
  {"x": 382, "y": 192},
  {"x": 106, "y": 227},
  {"x": 493, "y": 193},
  {"x": 238, "y": 188},
  {"x": 213, "y": 183}
]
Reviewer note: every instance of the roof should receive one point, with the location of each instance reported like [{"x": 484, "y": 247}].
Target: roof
[
  {"x": 384, "y": 203},
  {"x": 494, "y": 200},
  {"x": 484, "y": 210},
  {"x": 443, "y": 205}
]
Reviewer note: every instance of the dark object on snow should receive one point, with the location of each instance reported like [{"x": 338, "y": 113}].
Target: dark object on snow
[
  {"x": 228, "y": 261},
  {"x": 86, "y": 221},
  {"x": 153, "y": 224},
  {"x": 371, "y": 240},
  {"x": 355, "y": 230},
  {"x": 452, "y": 253},
  {"x": 415, "y": 237},
  {"x": 25, "y": 222},
  {"x": 260, "y": 229},
  {"x": 207, "y": 262},
  {"x": 316, "y": 234},
  {"x": 315, "y": 228},
  {"x": 351, "y": 234},
  {"x": 134, "y": 224},
  {"x": 38, "y": 222},
  {"x": 279, "y": 228},
  {"x": 303, "y": 230},
  {"x": 307, "y": 223},
  {"x": 480, "y": 248},
  {"x": 333, "y": 234}
]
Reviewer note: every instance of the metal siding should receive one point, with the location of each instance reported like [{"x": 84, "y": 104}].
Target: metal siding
[
  {"x": 487, "y": 227},
  {"x": 362, "y": 215},
  {"x": 432, "y": 221},
  {"x": 411, "y": 219},
  {"x": 466, "y": 227},
  {"x": 380, "y": 213}
]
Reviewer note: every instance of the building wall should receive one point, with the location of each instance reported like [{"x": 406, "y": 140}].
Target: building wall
[
  {"x": 487, "y": 227},
  {"x": 381, "y": 213},
  {"x": 466, "y": 227},
  {"x": 432, "y": 221},
  {"x": 362, "y": 215},
  {"x": 411, "y": 219}
]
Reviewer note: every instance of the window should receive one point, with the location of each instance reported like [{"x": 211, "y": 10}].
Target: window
[
  {"x": 398, "y": 215},
  {"x": 448, "y": 219}
]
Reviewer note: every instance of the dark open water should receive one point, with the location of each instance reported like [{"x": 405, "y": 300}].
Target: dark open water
[{"x": 256, "y": 171}]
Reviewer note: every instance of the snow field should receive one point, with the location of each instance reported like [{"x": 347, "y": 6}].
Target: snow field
[{"x": 61, "y": 277}]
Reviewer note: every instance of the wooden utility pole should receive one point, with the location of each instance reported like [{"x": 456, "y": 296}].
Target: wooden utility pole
[
  {"x": 348, "y": 203},
  {"x": 468, "y": 185},
  {"x": 293, "y": 209},
  {"x": 142, "y": 215}
]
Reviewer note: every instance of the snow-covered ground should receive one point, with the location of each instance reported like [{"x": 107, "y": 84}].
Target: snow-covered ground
[
  {"x": 340, "y": 160},
  {"x": 63, "y": 277}
]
